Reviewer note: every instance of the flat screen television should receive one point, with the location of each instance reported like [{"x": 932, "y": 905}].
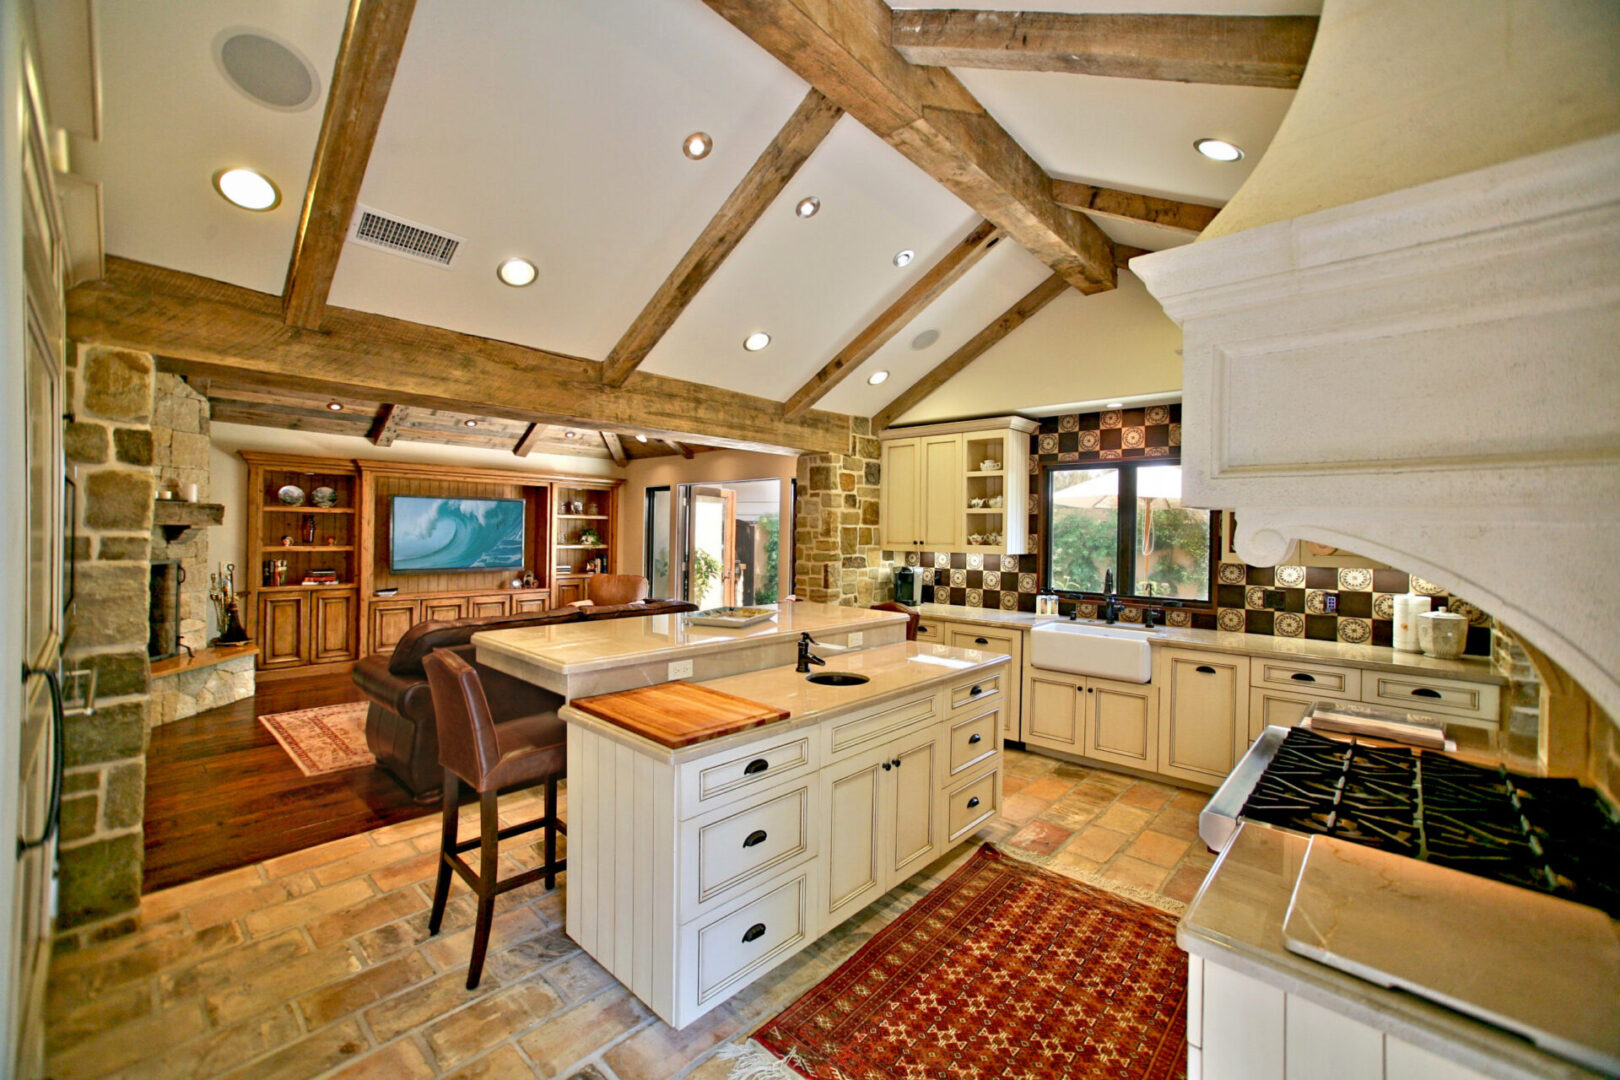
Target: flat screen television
[{"x": 436, "y": 534}]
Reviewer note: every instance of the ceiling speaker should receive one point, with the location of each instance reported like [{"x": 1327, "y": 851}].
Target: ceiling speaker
[{"x": 266, "y": 70}]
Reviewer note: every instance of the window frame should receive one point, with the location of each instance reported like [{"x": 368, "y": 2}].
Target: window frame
[{"x": 1125, "y": 547}]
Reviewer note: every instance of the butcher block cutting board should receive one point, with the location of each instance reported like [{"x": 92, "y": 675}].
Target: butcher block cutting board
[
  {"x": 678, "y": 714},
  {"x": 1546, "y": 968}
]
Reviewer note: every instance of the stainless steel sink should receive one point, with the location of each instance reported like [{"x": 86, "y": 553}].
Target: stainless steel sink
[
  {"x": 1108, "y": 652},
  {"x": 837, "y": 678}
]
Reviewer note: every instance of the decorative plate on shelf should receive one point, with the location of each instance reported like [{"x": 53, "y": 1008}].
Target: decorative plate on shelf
[
  {"x": 323, "y": 496},
  {"x": 730, "y": 617},
  {"x": 291, "y": 495}
]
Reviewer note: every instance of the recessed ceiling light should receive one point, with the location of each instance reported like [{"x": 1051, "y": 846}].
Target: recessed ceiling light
[
  {"x": 1114, "y": 405},
  {"x": 570, "y": 434},
  {"x": 641, "y": 438},
  {"x": 1219, "y": 149},
  {"x": 756, "y": 341},
  {"x": 697, "y": 145},
  {"x": 517, "y": 272},
  {"x": 925, "y": 339},
  {"x": 470, "y": 423},
  {"x": 248, "y": 189},
  {"x": 335, "y": 406},
  {"x": 903, "y": 258},
  {"x": 807, "y": 207},
  {"x": 877, "y": 377}
]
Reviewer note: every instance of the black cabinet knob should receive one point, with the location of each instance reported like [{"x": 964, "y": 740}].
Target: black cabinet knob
[
  {"x": 1204, "y": 669},
  {"x": 887, "y": 766},
  {"x": 1301, "y": 676},
  {"x": 981, "y": 641},
  {"x": 758, "y": 765},
  {"x": 753, "y": 933},
  {"x": 971, "y": 803},
  {"x": 976, "y": 737},
  {"x": 896, "y": 763},
  {"x": 976, "y": 691},
  {"x": 1424, "y": 691},
  {"x": 755, "y": 837}
]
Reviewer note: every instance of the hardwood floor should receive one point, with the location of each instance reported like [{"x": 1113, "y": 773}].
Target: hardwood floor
[{"x": 221, "y": 793}]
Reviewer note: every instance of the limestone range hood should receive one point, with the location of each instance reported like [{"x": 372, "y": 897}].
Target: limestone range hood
[{"x": 1430, "y": 378}]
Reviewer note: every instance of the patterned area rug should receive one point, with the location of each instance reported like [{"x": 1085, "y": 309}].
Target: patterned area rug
[
  {"x": 1004, "y": 970},
  {"x": 328, "y": 739}
]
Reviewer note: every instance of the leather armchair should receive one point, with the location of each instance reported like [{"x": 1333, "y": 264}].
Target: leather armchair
[{"x": 611, "y": 589}]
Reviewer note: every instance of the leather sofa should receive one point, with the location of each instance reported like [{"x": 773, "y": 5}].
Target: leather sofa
[{"x": 400, "y": 728}]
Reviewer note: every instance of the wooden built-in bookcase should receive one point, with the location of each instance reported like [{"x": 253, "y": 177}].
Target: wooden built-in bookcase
[{"x": 306, "y": 628}]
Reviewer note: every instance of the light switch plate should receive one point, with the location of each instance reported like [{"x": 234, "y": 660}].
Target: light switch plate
[
  {"x": 680, "y": 669},
  {"x": 856, "y": 639}
]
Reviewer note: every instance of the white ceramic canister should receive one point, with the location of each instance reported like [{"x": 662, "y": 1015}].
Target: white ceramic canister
[
  {"x": 1408, "y": 606},
  {"x": 1443, "y": 634}
]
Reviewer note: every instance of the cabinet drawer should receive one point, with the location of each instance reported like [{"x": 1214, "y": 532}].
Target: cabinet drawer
[
  {"x": 937, "y": 631},
  {"x": 725, "y": 778},
  {"x": 1321, "y": 680},
  {"x": 979, "y": 637},
  {"x": 973, "y": 739},
  {"x": 731, "y": 948},
  {"x": 1478, "y": 700},
  {"x": 982, "y": 690},
  {"x": 867, "y": 729},
  {"x": 972, "y": 803},
  {"x": 736, "y": 847}
]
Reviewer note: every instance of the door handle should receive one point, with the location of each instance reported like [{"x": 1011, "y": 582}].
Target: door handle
[
  {"x": 976, "y": 691},
  {"x": 896, "y": 763},
  {"x": 1424, "y": 691},
  {"x": 758, "y": 765},
  {"x": 754, "y": 933},
  {"x": 975, "y": 738},
  {"x": 1204, "y": 669},
  {"x": 981, "y": 641},
  {"x": 755, "y": 837},
  {"x": 1301, "y": 676},
  {"x": 887, "y": 766},
  {"x": 971, "y": 803}
]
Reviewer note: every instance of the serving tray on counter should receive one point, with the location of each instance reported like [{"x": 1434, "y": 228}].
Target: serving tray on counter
[
  {"x": 730, "y": 617},
  {"x": 678, "y": 714}
]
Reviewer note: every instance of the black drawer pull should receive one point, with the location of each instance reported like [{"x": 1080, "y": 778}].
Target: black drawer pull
[
  {"x": 981, "y": 641},
  {"x": 924, "y": 628},
  {"x": 755, "y": 837},
  {"x": 896, "y": 763},
  {"x": 754, "y": 933},
  {"x": 1204, "y": 669},
  {"x": 971, "y": 803},
  {"x": 1301, "y": 676},
  {"x": 976, "y": 737},
  {"x": 976, "y": 691},
  {"x": 887, "y": 766},
  {"x": 1424, "y": 691},
  {"x": 758, "y": 765}
]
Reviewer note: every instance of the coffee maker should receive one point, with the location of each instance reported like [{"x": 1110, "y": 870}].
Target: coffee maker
[{"x": 905, "y": 584}]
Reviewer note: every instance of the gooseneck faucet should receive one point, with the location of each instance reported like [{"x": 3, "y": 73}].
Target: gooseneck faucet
[
  {"x": 1111, "y": 606},
  {"x": 806, "y": 657}
]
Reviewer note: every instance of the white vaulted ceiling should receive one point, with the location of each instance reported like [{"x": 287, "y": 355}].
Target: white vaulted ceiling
[{"x": 552, "y": 130}]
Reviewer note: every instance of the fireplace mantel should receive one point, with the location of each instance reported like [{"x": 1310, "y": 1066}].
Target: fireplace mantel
[{"x": 1430, "y": 378}]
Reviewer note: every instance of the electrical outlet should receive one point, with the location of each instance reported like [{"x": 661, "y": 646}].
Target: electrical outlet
[
  {"x": 1276, "y": 599},
  {"x": 856, "y": 639},
  {"x": 680, "y": 669},
  {"x": 1330, "y": 603}
]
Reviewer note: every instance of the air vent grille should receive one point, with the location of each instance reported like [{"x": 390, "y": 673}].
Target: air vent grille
[{"x": 407, "y": 238}]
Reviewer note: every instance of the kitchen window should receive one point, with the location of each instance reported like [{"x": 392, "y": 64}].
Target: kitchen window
[{"x": 1126, "y": 517}]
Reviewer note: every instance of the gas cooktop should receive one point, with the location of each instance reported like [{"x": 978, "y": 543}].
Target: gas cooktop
[{"x": 1550, "y": 835}]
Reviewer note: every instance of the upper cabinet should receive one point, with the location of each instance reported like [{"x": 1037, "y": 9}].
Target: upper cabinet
[{"x": 957, "y": 487}]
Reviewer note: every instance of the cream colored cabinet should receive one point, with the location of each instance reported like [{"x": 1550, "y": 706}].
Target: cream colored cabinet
[
  {"x": 901, "y": 496},
  {"x": 1007, "y": 643},
  {"x": 1121, "y": 723},
  {"x": 922, "y": 491},
  {"x": 1055, "y": 710},
  {"x": 1283, "y": 690},
  {"x": 957, "y": 487},
  {"x": 1203, "y": 695},
  {"x": 883, "y": 821},
  {"x": 935, "y": 631},
  {"x": 1278, "y": 708}
]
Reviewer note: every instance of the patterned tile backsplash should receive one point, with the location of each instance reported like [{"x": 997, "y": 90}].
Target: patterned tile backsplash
[{"x": 1346, "y": 604}]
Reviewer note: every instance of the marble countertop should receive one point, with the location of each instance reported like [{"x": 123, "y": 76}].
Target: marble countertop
[
  {"x": 893, "y": 671},
  {"x": 573, "y": 648},
  {"x": 1236, "y": 920},
  {"x": 1374, "y": 657}
]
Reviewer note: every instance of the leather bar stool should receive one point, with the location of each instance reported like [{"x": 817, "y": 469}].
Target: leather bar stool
[
  {"x": 490, "y": 757},
  {"x": 913, "y": 616}
]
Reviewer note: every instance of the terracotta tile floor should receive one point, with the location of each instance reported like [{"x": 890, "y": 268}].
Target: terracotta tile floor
[{"x": 318, "y": 964}]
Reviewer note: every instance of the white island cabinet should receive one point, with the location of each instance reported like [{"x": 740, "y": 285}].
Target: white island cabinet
[{"x": 693, "y": 871}]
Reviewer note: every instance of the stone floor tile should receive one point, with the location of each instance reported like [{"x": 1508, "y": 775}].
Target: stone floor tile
[
  {"x": 1041, "y": 837},
  {"x": 1135, "y": 872},
  {"x": 1125, "y": 819},
  {"x": 1069, "y": 859},
  {"x": 297, "y": 912},
  {"x": 1012, "y": 785},
  {"x": 1021, "y": 809},
  {"x": 1096, "y": 798},
  {"x": 577, "y": 977},
  {"x": 465, "y": 1034},
  {"x": 1158, "y": 849},
  {"x": 1184, "y": 883},
  {"x": 118, "y": 1047},
  {"x": 427, "y": 825},
  {"x": 459, "y": 911},
  {"x": 426, "y": 1002},
  {"x": 568, "y": 1038},
  {"x": 400, "y": 1060},
  {"x": 366, "y": 915},
  {"x": 1146, "y": 795},
  {"x": 259, "y": 990},
  {"x": 1192, "y": 801},
  {"x": 221, "y": 1050},
  {"x": 658, "y": 1051},
  {"x": 505, "y": 1063},
  {"x": 531, "y": 954},
  {"x": 1200, "y": 856},
  {"x": 1070, "y": 814},
  {"x": 310, "y": 1056},
  {"x": 166, "y": 902},
  {"x": 363, "y": 862},
  {"x": 68, "y": 1026},
  {"x": 507, "y": 928},
  {"x": 421, "y": 868},
  {"x": 781, "y": 987},
  {"x": 234, "y": 905},
  {"x": 329, "y": 1003},
  {"x": 1049, "y": 787},
  {"x": 1176, "y": 822},
  {"x": 230, "y": 968},
  {"x": 316, "y": 856},
  {"x": 1097, "y": 843},
  {"x": 78, "y": 977}
]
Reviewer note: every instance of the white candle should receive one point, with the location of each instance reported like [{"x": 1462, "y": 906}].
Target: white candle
[{"x": 190, "y": 492}]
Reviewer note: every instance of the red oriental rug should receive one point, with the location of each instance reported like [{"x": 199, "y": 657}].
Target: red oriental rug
[
  {"x": 325, "y": 739},
  {"x": 1005, "y": 970}
]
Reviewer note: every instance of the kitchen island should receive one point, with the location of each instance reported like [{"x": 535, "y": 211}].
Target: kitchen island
[{"x": 694, "y": 870}]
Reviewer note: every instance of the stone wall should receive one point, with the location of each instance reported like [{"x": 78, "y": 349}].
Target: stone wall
[
  {"x": 178, "y": 451},
  {"x": 109, "y": 450},
  {"x": 836, "y": 551},
  {"x": 194, "y": 690}
]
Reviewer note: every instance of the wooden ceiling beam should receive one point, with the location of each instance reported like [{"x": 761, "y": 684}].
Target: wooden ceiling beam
[
  {"x": 754, "y": 193},
  {"x": 941, "y": 276},
  {"x": 1129, "y": 206},
  {"x": 615, "y": 449},
  {"x": 679, "y": 447},
  {"x": 225, "y": 332},
  {"x": 1006, "y": 323},
  {"x": 386, "y": 428},
  {"x": 841, "y": 47},
  {"x": 1230, "y": 50},
  {"x": 368, "y": 55},
  {"x": 532, "y": 436}
]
